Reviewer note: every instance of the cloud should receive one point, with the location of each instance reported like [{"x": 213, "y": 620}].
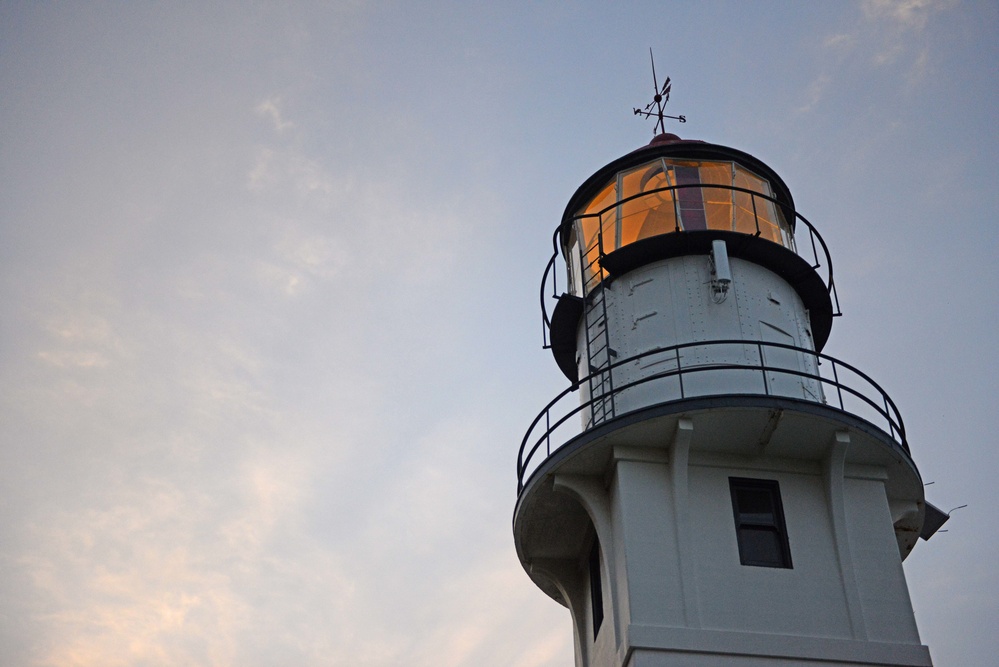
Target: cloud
[
  {"x": 78, "y": 334},
  {"x": 815, "y": 92},
  {"x": 271, "y": 108},
  {"x": 119, "y": 583},
  {"x": 897, "y": 23},
  {"x": 890, "y": 33},
  {"x": 302, "y": 259},
  {"x": 907, "y": 14},
  {"x": 326, "y": 219},
  {"x": 74, "y": 358},
  {"x": 842, "y": 40},
  {"x": 220, "y": 567},
  {"x": 281, "y": 168},
  {"x": 180, "y": 473},
  {"x": 164, "y": 573}
]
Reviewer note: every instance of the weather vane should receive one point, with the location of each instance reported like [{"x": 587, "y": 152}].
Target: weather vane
[{"x": 659, "y": 101}]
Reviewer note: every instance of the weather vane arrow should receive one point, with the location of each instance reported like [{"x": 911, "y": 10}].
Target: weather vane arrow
[{"x": 655, "y": 107}]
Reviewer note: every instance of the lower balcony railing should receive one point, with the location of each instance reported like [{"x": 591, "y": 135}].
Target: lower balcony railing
[{"x": 706, "y": 368}]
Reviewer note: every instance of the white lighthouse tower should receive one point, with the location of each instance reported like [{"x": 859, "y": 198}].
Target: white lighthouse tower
[{"x": 712, "y": 489}]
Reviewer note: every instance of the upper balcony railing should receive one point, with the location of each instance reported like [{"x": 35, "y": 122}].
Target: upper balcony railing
[
  {"x": 666, "y": 210},
  {"x": 679, "y": 376}
]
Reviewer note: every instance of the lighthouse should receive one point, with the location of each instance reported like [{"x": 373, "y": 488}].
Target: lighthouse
[{"x": 712, "y": 487}]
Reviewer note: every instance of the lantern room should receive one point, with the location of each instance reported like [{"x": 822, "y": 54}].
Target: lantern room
[
  {"x": 675, "y": 198},
  {"x": 669, "y": 194}
]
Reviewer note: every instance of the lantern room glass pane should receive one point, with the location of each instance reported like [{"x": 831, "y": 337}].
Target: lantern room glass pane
[
  {"x": 646, "y": 209},
  {"x": 658, "y": 201},
  {"x": 592, "y": 228},
  {"x": 716, "y": 174},
  {"x": 634, "y": 208},
  {"x": 757, "y": 214},
  {"x": 589, "y": 219}
]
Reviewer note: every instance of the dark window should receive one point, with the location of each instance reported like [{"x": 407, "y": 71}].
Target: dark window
[
  {"x": 759, "y": 522},
  {"x": 596, "y": 592}
]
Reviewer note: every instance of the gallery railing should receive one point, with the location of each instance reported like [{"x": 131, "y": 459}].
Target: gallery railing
[{"x": 677, "y": 379}]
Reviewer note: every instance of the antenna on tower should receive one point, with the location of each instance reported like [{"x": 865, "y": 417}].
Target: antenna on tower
[{"x": 659, "y": 101}]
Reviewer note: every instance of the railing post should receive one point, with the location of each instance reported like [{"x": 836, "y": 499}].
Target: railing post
[
  {"x": 679, "y": 371},
  {"x": 839, "y": 387},
  {"x": 815, "y": 253},
  {"x": 756, "y": 216},
  {"x": 548, "y": 433},
  {"x": 818, "y": 376},
  {"x": 763, "y": 368},
  {"x": 600, "y": 238},
  {"x": 545, "y": 321},
  {"x": 674, "y": 193},
  {"x": 554, "y": 279},
  {"x": 891, "y": 423}
]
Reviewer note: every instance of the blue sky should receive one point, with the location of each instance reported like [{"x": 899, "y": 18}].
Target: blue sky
[{"x": 269, "y": 333}]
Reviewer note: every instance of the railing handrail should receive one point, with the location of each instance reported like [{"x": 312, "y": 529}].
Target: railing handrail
[{"x": 890, "y": 412}]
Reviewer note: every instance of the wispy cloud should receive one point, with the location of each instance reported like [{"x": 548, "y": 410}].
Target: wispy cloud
[
  {"x": 815, "y": 92},
  {"x": 302, "y": 259},
  {"x": 838, "y": 41},
  {"x": 79, "y": 333},
  {"x": 281, "y": 168},
  {"x": 898, "y": 22},
  {"x": 907, "y": 14},
  {"x": 163, "y": 574},
  {"x": 271, "y": 109},
  {"x": 889, "y": 33}
]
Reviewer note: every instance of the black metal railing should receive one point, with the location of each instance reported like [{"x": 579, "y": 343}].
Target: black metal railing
[
  {"x": 546, "y": 323},
  {"x": 855, "y": 392},
  {"x": 592, "y": 253}
]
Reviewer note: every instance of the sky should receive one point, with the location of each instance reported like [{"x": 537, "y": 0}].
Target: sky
[{"x": 269, "y": 321}]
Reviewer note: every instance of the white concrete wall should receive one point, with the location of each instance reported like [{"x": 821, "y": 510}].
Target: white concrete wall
[
  {"x": 884, "y": 594},
  {"x": 672, "y": 576},
  {"x": 807, "y": 599}
]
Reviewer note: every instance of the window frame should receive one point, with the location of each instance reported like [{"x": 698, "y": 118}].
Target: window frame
[
  {"x": 596, "y": 587},
  {"x": 773, "y": 524}
]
